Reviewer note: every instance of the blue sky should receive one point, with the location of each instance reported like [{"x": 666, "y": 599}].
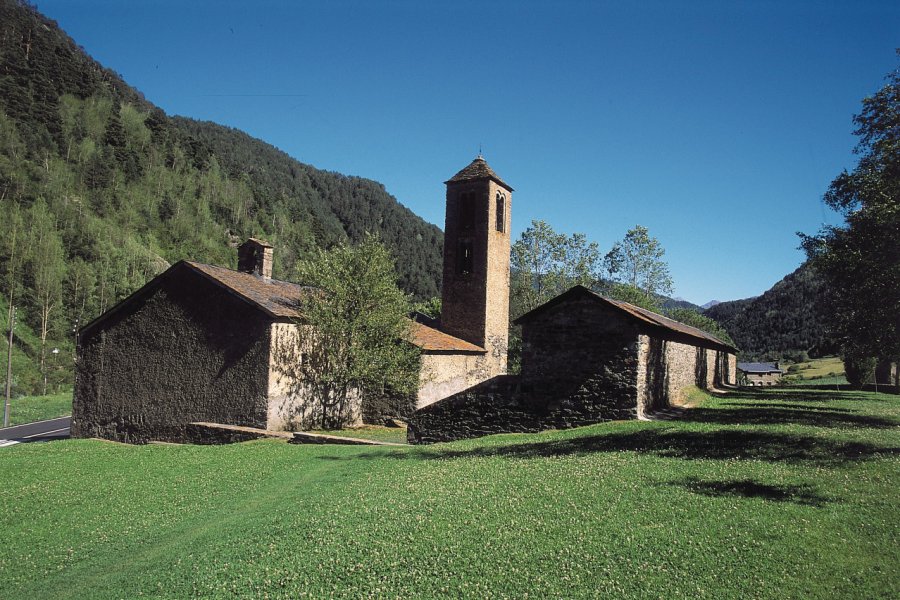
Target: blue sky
[{"x": 717, "y": 125}]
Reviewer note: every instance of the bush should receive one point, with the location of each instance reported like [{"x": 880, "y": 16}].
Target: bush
[{"x": 858, "y": 369}]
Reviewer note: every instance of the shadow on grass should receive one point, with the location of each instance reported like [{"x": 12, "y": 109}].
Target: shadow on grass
[
  {"x": 804, "y": 494},
  {"x": 785, "y": 405},
  {"x": 776, "y": 414},
  {"x": 723, "y": 444},
  {"x": 794, "y": 394}
]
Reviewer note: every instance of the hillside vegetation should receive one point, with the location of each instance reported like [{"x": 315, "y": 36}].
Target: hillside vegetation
[
  {"x": 764, "y": 494},
  {"x": 101, "y": 190},
  {"x": 786, "y": 321}
]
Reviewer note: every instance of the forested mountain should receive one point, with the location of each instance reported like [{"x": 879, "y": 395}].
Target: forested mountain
[
  {"x": 100, "y": 190},
  {"x": 784, "y": 321}
]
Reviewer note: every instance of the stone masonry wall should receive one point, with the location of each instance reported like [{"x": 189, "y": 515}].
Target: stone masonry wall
[
  {"x": 578, "y": 368},
  {"x": 187, "y": 352},
  {"x": 475, "y": 305},
  {"x": 668, "y": 366},
  {"x": 582, "y": 353},
  {"x": 445, "y": 374},
  {"x": 292, "y": 404}
]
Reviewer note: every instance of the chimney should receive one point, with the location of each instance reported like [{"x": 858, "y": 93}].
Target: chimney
[{"x": 255, "y": 257}]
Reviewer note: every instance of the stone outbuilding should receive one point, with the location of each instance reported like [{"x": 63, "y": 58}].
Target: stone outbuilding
[{"x": 585, "y": 359}]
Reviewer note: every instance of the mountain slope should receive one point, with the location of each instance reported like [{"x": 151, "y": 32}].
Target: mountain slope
[
  {"x": 784, "y": 320},
  {"x": 100, "y": 190}
]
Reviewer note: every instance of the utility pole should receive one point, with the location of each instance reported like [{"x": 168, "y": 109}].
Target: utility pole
[{"x": 12, "y": 323}]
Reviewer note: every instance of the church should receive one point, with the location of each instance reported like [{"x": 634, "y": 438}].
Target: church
[{"x": 203, "y": 343}]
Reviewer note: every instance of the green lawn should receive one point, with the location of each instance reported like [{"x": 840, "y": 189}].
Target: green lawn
[
  {"x": 828, "y": 370},
  {"x": 396, "y": 435},
  {"x": 29, "y": 409},
  {"x": 766, "y": 494}
]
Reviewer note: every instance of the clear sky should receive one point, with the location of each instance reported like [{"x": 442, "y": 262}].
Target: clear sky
[{"x": 717, "y": 125}]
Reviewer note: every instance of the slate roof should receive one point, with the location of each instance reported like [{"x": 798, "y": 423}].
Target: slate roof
[
  {"x": 277, "y": 298},
  {"x": 478, "y": 170},
  {"x": 280, "y": 300},
  {"x": 759, "y": 368},
  {"x": 634, "y": 312}
]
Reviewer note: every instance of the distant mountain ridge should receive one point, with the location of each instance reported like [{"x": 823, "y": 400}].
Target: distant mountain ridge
[
  {"x": 43, "y": 70},
  {"x": 709, "y": 304},
  {"x": 783, "y": 321}
]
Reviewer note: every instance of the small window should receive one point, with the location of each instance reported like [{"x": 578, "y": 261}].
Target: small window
[
  {"x": 464, "y": 256},
  {"x": 501, "y": 212},
  {"x": 467, "y": 210}
]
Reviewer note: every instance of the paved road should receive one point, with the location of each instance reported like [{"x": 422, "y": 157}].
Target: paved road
[{"x": 42, "y": 431}]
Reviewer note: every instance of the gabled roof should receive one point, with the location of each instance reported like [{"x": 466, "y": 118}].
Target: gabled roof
[
  {"x": 278, "y": 299},
  {"x": 762, "y": 367},
  {"x": 478, "y": 170},
  {"x": 636, "y": 313},
  {"x": 430, "y": 339}
]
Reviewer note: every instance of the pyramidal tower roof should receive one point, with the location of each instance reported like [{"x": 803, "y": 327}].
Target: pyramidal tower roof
[{"x": 478, "y": 170}]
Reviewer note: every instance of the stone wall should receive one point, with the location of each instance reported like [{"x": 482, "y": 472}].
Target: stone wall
[
  {"x": 729, "y": 369},
  {"x": 475, "y": 305},
  {"x": 578, "y": 367},
  {"x": 292, "y": 404},
  {"x": 504, "y": 405},
  {"x": 668, "y": 366},
  {"x": 186, "y": 352},
  {"x": 445, "y": 374},
  {"x": 583, "y": 352},
  {"x": 762, "y": 379}
]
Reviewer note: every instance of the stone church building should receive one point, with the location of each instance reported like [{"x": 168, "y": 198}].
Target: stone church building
[
  {"x": 201, "y": 343},
  {"x": 211, "y": 344}
]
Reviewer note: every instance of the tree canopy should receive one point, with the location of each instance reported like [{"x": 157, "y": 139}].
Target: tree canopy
[
  {"x": 637, "y": 261},
  {"x": 860, "y": 260},
  {"x": 358, "y": 342}
]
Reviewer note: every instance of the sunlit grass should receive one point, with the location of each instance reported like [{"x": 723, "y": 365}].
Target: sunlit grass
[
  {"x": 396, "y": 435},
  {"x": 764, "y": 494},
  {"x": 29, "y": 409}
]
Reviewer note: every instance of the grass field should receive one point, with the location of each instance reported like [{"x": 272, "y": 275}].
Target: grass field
[
  {"x": 29, "y": 409},
  {"x": 396, "y": 435},
  {"x": 828, "y": 370},
  {"x": 764, "y": 494}
]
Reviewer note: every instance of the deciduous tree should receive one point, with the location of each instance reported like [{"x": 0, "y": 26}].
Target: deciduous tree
[
  {"x": 359, "y": 329},
  {"x": 545, "y": 263},
  {"x": 637, "y": 261},
  {"x": 860, "y": 261},
  {"x": 47, "y": 269}
]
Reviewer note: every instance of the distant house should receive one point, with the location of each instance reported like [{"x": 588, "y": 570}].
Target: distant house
[{"x": 759, "y": 373}]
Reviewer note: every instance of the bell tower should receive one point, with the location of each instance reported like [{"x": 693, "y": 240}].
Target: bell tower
[{"x": 475, "y": 291}]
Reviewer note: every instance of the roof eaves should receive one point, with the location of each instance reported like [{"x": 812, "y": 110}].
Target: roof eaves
[{"x": 635, "y": 312}]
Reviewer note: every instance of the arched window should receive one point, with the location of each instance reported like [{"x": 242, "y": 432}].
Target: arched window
[{"x": 501, "y": 212}]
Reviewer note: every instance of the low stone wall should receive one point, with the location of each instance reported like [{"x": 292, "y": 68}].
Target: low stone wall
[{"x": 507, "y": 404}]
